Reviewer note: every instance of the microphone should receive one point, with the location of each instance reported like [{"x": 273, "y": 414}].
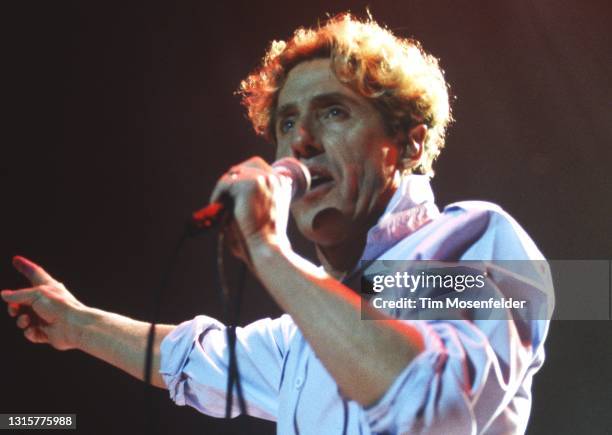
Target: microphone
[{"x": 288, "y": 168}]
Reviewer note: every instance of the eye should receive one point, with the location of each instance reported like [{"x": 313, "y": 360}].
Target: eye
[
  {"x": 285, "y": 125},
  {"x": 335, "y": 112}
]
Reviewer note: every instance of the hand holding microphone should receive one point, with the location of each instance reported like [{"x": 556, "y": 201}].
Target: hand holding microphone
[{"x": 258, "y": 196}]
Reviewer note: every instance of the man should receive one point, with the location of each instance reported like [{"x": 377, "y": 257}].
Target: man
[{"x": 365, "y": 112}]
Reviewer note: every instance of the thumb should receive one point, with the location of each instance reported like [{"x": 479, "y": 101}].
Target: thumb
[{"x": 32, "y": 271}]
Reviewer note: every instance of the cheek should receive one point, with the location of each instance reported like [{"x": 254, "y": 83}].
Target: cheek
[
  {"x": 282, "y": 151},
  {"x": 379, "y": 161},
  {"x": 353, "y": 169},
  {"x": 363, "y": 182},
  {"x": 390, "y": 157},
  {"x": 351, "y": 186},
  {"x": 378, "y": 173}
]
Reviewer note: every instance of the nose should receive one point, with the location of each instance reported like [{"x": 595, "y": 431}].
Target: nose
[{"x": 305, "y": 143}]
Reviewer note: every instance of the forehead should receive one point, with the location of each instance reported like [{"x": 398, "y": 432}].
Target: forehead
[{"x": 308, "y": 80}]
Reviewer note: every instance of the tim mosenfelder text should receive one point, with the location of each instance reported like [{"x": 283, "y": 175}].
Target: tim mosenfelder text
[{"x": 427, "y": 280}]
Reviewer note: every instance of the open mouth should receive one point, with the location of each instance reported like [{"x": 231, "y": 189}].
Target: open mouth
[
  {"x": 319, "y": 180},
  {"x": 319, "y": 176}
]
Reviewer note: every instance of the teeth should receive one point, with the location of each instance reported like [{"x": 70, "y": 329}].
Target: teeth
[
  {"x": 318, "y": 181},
  {"x": 318, "y": 178}
]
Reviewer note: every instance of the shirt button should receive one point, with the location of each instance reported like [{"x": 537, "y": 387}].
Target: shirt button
[{"x": 298, "y": 382}]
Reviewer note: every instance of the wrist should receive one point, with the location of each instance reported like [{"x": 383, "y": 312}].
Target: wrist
[
  {"x": 79, "y": 320},
  {"x": 267, "y": 244},
  {"x": 265, "y": 255}
]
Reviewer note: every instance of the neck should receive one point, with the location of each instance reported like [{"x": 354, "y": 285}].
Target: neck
[
  {"x": 338, "y": 260},
  {"x": 341, "y": 258}
]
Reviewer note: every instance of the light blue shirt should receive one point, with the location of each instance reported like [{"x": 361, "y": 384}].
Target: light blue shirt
[{"x": 474, "y": 376}]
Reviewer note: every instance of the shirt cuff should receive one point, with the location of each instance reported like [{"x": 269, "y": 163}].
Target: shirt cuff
[
  {"x": 408, "y": 394},
  {"x": 175, "y": 350}
]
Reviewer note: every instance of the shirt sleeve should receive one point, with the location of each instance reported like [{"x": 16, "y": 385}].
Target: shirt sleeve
[
  {"x": 194, "y": 364},
  {"x": 474, "y": 376},
  {"x": 464, "y": 380}
]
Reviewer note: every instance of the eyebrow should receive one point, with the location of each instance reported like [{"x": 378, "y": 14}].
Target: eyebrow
[{"x": 318, "y": 100}]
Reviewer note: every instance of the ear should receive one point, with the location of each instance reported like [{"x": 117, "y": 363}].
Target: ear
[{"x": 412, "y": 142}]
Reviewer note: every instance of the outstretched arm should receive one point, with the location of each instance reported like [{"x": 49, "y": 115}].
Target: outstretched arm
[{"x": 48, "y": 313}]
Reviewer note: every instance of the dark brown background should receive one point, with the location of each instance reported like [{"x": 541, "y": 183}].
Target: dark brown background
[{"x": 119, "y": 117}]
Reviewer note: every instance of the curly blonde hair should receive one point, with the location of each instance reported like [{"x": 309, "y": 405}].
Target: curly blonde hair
[{"x": 402, "y": 81}]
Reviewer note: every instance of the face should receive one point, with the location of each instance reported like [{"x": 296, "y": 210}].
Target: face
[{"x": 341, "y": 138}]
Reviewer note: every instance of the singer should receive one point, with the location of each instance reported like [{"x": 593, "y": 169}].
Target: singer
[{"x": 366, "y": 113}]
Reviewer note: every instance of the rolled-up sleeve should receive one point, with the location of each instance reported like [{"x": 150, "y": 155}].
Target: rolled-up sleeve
[
  {"x": 460, "y": 384},
  {"x": 194, "y": 364}
]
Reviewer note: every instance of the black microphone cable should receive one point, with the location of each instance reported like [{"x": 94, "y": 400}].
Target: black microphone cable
[{"x": 231, "y": 311}]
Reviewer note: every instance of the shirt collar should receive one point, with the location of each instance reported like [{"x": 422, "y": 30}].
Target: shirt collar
[{"x": 411, "y": 207}]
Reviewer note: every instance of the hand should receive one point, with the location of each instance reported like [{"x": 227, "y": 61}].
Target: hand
[
  {"x": 261, "y": 206},
  {"x": 44, "y": 311}
]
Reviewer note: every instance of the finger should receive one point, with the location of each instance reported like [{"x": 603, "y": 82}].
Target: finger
[
  {"x": 32, "y": 271},
  {"x": 13, "y": 309},
  {"x": 27, "y": 296},
  {"x": 222, "y": 188},
  {"x": 227, "y": 186},
  {"x": 35, "y": 335},
  {"x": 248, "y": 170},
  {"x": 23, "y": 321},
  {"x": 257, "y": 162}
]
